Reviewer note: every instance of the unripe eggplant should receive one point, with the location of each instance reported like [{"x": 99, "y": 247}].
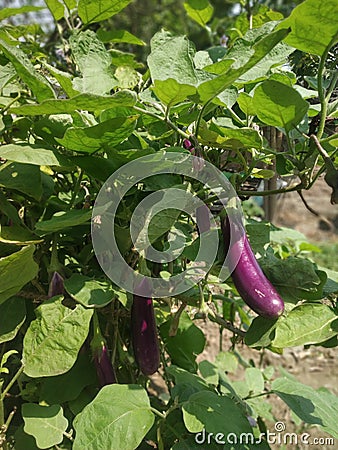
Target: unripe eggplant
[
  {"x": 144, "y": 335},
  {"x": 251, "y": 283}
]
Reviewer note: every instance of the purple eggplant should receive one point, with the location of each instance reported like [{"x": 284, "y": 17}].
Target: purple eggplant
[
  {"x": 144, "y": 335},
  {"x": 249, "y": 279},
  {"x": 104, "y": 369}
]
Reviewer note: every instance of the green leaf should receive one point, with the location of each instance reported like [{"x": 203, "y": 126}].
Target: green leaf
[
  {"x": 209, "y": 372},
  {"x": 64, "y": 219},
  {"x": 199, "y": 10},
  {"x": 68, "y": 386},
  {"x": 310, "y": 323},
  {"x": 24, "y": 441},
  {"x": 211, "y": 88},
  {"x": 186, "y": 383},
  {"x": 94, "y": 63},
  {"x": 57, "y": 8},
  {"x": 89, "y": 292},
  {"x": 54, "y": 338},
  {"x": 207, "y": 410},
  {"x": 14, "y": 310},
  {"x": 16, "y": 270},
  {"x": 46, "y": 423},
  {"x": 295, "y": 278},
  {"x": 25, "y": 178},
  {"x": 108, "y": 133},
  {"x": 64, "y": 78},
  {"x": 10, "y": 12},
  {"x": 188, "y": 342},
  {"x": 172, "y": 57},
  {"x": 279, "y": 105},
  {"x": 118, "y": 36},
  {"x": 32, "y": 154},
  {"x": 220, "y": 136},
  {"x": 311, "y": 406},
  {"x": 91, "y": 11},
  {"x": 171, "y": 92},
  {"x": 261, "y": 332},
  {"x": 313, "y": 26},
  {"x": 118, "y": 417},
  {"x": 86, "y": 102},
  {"x": 26, "y": 71},
  {"x": 226, "y": 362},
  {"x": 18, "y": 235},
  {"x": 254, "y": 380}
]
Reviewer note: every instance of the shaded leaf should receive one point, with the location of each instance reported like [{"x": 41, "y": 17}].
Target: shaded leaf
[
  {"x": 14, "y": 310},
  {"x": 89, "y": 292},
  {"x": 25, "y": 178},
  {"x": 200, "y": 11},
  {"x": 64, "y": 219}
]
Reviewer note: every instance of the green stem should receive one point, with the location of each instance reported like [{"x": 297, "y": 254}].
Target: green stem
[
  {"x": 199, "y": 118},
  {"x": 158, "y": 413},
  {"x": 11, "y": 103},
  {"x": 76, "y": 189},
  {"x": 324, "y": 99},
  {"x": 10, "y": 384},
  {"x": 271, "y": 192},
  {"x": 225, "y": 323}
]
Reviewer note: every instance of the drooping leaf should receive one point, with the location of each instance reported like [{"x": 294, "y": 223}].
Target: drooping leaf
[
  {"x": 118, "y": 417},
  {"x": 310, "y": 323},
  {"x": 89, "y": 292},
  {"x": 18, "y": 235},
  {"x": 91, "y": 11},
  {"x": 87, "y": 102},
  {"x": 313, "y": 26},
  {"x": 46, "y": 423},
  {"x": 279, "y": 105},
  {"x": 171, "y": 92},
  {"x": 63, "y": 219},
  {"x": 26, "y": 71},
  {"x": 90, "y": 139},
  {"x": 261, "y": 332},
  {"x": 25, "y": 178},
  {"x": 54, "y": 338},
  {"x": 313, "y": 407},
  {"x": 32, "y": 154},
  {"x": 16, "y": 270},
  {"x": 64, "y": 79},
  {"x": 118, "y": 36},
  {"x": 94, "y": 63},
  {"x": 200, "y": 11},
  {"x": 14, "y": 312}
]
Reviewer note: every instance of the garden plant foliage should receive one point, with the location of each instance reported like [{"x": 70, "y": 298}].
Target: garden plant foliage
[{"x": 76, "y": 106}]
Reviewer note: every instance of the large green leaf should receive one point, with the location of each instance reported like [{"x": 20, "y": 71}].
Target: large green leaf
[
  {"x": 46, "y": 423},
  {"x": 211, "y": 88},
  {"x": 64, "y": 78},
  {"x": 91, "y": 11},
  {"x": 313, "y": 407},
  {"x": 118, "y": 417},
  {"x": 94, "y": 63},
  {"x": 14, "y": 310},
  {"x": 187, "y": 343},
  {"x": 89, "y": 292},
  {"x": 87, "y": 102},
  {"x": 57, "y": 8},
  {"x": 279, "y": 105},
  {"x": 118, "y": 36},
  {"x": 26, "y": 71},
  {"x": 32, "y": 154},
  {"x": 54, "y": 338},
  {"x": 310, "y": 323},
  {"x": 25, "y": 178},
  {"x": 90, "y": 139},
  {"x": 172, "y": 92},
  {"x": 10, "y": 12},
  {"x": 172, "y": 57},
  {"x": 16, "y": 270},
  {"x": 64, "y": 219},
  {"x": 199, "y": 10},
  {"x": 313, "y": 26},
  {"x": 207, "y": 410}
]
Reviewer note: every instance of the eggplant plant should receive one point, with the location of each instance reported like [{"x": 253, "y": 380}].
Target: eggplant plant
[{"x": 88, "y": 363}]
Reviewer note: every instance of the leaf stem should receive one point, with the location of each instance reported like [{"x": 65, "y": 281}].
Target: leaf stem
[
  {"x": 158, "y": 413},
  {"x": 10, "y": 384}
]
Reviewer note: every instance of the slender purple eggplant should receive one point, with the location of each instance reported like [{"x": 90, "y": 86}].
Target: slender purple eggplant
[
  {"x": 56, "y": 285},
  {"x": 144, "y": 335},
  {"x": 104, "y": 369},
  {"x": 250, "y": 281}
]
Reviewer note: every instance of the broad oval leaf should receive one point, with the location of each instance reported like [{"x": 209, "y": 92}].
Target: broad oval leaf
[
  {"x": 54, "y": 338},
  {"x": 64, "y": 219},
  {"x": 16, "y": 270},
  {"x": 46, "y": 423},
  {"x": 91, "y": 11},
  {"x": 279, "y": 105},
  {"x": 14, "y": 310},
  {"x": 89, "y": 292},
  {"x": 118, "y": 417},
  {"x": 199, "y": 10},
  {"x": 32, "y": 154}
]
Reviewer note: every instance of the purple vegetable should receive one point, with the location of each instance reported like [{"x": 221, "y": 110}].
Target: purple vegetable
[
  {"x": 104, "y": 369},
  {"x": 56, "y": 285},
  {"x": 251, "y": 283},
  {"x": 144, "y": 335},
  {"x": 188, "y": 145}
]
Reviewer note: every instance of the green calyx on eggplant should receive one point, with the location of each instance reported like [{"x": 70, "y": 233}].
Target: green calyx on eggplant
[
  {"x": 144, "y": 334},
  {"x": 248, "y": 277}
]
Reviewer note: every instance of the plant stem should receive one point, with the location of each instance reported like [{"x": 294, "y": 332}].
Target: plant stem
[
  {"x": 10, "y": 384},
  {"x": 157, "y": 412},
  {"x": 76, "y": 189},
  {"x": 225, "y": 323}
]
